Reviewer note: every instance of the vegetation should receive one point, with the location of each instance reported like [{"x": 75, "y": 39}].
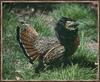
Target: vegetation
[{"x": 16, "y": 65}]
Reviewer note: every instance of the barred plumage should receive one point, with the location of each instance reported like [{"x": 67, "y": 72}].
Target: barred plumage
[
  {"x": 34, "y": 47},
  {"x": 54, "y": 53},
  {"x": 47, "y": 50},
  {"x": 26, "y": 37}
]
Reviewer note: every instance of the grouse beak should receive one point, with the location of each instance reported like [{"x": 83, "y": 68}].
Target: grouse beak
[
  {"x": 76, "y": 23},
  {"x": 72, "y": 25}
]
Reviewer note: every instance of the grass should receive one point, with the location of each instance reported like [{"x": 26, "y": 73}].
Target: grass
[
  {"x": 73, "y": 72},
  {"x": 16, "y": 65},
  {"x": 39, "y": 24}
]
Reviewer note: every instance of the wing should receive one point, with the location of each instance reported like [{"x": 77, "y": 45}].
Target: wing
[
  {"x": 55, "y": 52},
  {"x": 26, "y": 37}
]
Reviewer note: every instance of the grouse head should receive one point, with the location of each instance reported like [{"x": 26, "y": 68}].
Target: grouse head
[
  {"x": 68, "y": 23},
  {"x": 66, "y": 29}
]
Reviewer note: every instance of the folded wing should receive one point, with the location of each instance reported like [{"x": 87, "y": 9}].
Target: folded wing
[{"x": 54, "y": 53}]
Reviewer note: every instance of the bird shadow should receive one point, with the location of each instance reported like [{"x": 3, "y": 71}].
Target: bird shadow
[{"x": 82, "y": 61}]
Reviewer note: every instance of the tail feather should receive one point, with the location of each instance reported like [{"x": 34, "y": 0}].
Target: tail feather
[
  {"x": 28, "y": 35},
  {"x": 26, "y": 38},
  {"x": 28, "y": 46},
  {"x": 26, "y": 43}
]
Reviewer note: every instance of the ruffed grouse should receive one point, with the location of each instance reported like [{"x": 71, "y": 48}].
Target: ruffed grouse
[{"x": 48, "y": 51}]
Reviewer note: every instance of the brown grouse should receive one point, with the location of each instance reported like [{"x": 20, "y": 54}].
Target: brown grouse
[{"x": 49, "y": 50}]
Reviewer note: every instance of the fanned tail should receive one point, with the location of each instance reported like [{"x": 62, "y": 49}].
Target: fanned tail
[{"x": 26, "y": 37}]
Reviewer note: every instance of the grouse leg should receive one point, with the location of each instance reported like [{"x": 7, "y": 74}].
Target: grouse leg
[
  {"x": 66, "y": 60},
  {"x": 40, "y": 66}
]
